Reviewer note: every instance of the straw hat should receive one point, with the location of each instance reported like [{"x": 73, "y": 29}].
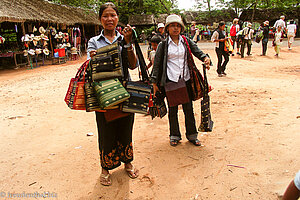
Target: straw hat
[
  {"x": 46, "y": 51},
  {"x": 266, "y": 22},
  {"x": 68, "y": 45},
  {"x": 36, "y": 38},
  {"x": 60, "y": 35},
  {"x": 73, "y": 50},
  {"x": 249, "y": 25},
  {"x": 25, "y": 38},
  {"x": 31, "y": 52},
  {"x": 25, "y": 52},
  {"x": 54, "y": 32},
  {"x": 174, "y": 19},
  {"x": 42, "y": 30},
  {"x": 38, "y": 51},
  {"x": 31, "y": 37},
  {"x": 44, "y": 37}
]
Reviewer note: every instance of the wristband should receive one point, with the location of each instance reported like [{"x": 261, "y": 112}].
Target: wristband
[{"x": 128, "y": 45}]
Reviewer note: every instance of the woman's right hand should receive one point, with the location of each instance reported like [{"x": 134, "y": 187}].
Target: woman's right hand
[
  {"x": 155, "y": 89},
  {"x": 92, "y": 53}
]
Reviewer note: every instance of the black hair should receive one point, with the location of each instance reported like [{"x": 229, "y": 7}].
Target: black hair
[
  {"x": 106, "y": 5},
  {"x": 222, "y": 23},
  {"x": 292, "y": 22},
  {"x": 155, "y": 39}
]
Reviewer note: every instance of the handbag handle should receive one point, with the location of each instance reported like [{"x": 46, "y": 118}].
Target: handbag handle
[
  {"x": 144, "y": 71},
  {"x": 205, "y": 88},
  {"x": 83, "y": 69}
]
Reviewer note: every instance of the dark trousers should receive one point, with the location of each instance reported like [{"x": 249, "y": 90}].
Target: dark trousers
[
  {"x": 190, "y": 124},
  {"x": 115, "y": 140},
  {"x": 264, "y": 46},
  {"x": 244, "y": 43},
  {"x": 222, "y": 66}
]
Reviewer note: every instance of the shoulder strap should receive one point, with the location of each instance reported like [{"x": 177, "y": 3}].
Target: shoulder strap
[{"x": 143, "y": 67}]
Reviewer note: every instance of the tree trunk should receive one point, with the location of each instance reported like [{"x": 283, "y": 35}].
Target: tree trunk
[{"x": 252, "y": 17}]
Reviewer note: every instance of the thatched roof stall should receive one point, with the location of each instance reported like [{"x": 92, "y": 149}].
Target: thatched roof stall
[{"x": 44, "y": 11}]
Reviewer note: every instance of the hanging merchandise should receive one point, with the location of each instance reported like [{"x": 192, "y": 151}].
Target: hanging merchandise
[
  {"x": 2, "y": 39},
  {"x": 42, "y": 30},
  {"x": 34, "y": 29},
  {"x": 16, "y": 28}
]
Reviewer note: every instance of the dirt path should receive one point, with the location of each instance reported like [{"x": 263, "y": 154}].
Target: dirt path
[{"x": 256, "y": 108}]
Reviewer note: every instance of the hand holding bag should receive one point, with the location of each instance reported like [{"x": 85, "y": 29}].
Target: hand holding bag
[
  {"x": 206, "y": 121},
  {"x": 140, "y": 90}
]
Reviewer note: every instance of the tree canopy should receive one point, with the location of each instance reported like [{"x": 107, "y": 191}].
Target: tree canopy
[{"x": 127, "y": 7}]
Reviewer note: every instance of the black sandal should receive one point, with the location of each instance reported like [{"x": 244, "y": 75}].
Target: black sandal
[
  {"x": 174, "y": 142},
  {"x": 195, "y": 142}
]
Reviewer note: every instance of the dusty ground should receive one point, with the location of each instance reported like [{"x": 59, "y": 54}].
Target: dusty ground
[{"x": 256, "y": 110}]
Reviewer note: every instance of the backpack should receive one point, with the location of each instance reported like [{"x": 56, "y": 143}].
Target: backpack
[{"x": 233, "y": 30}]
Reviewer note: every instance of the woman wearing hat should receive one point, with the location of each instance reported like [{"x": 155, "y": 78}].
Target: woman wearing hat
[
  {"x": 115, "y": 137},
  {"x": 160, "y": 29},
  {"x": 171, "y": 68}
]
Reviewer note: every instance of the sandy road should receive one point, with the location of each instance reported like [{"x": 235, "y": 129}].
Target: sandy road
[{"x": 256, "y": 109}]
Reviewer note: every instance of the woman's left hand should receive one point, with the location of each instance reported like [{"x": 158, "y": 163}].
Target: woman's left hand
[
  {"x": 127, "y": 32},
  {"x": 207, "y": 62}
]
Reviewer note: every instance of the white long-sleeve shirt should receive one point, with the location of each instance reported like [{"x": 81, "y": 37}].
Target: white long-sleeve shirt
[{"x": 176, "y": 61}]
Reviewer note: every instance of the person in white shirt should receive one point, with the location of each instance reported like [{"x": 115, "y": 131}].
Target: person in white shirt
[
  {"x": 278, "y": 40},
  {"x": 281, "y": 23},
  {"x": 291, "y": 33},
  {"x": 171, "y": 76},
  {"x": 292, "y": 192},
  {"x": 248, "y": 35}
]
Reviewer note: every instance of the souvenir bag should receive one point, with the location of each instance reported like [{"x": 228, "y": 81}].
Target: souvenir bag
[
  {"x": 107, "y": 63},
  {"x": 196, "y": 77},
  {"x": 139, "y": 90},
  {"x": 91, "y": 102},
  {"x": 206, "y": 121},
  {"x": 110, "y": 93},
  {"x": 228, "y": 45},
  {"x": 75, "y": 97},
  {"x": 158, "y": 107},
  {"x": 176, "y": 92}
]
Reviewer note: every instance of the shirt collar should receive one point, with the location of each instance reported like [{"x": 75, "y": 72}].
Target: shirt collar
[
  {"x": 101, "y": 36},
  {"x": 180, "y": 39}
]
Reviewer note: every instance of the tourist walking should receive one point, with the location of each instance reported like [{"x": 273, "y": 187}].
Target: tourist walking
[
  {"x": 291, "y": 33},
  {"x": 280, "y": 22},
  {"x": 277, "y": 40},
  {"x": 171, "y": 76},
  {"x": 234, "y": 29},
  {"x": 247, "y": 40},
  {"x": 219, "y": 37},
  {"x": 265, "y": 39},
  {"x": 115, "y": 137}
]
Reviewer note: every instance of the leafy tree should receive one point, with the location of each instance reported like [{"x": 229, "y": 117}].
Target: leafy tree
[{"x": 127, "y": 7}]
